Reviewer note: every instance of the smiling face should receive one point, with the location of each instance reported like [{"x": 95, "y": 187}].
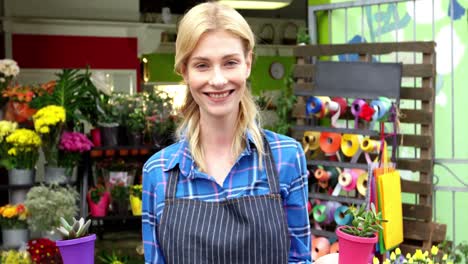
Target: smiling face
[{"x": 216, "y": 73}]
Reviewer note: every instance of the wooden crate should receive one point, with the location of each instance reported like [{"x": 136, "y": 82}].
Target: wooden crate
[{"x": 419, "y": 230}]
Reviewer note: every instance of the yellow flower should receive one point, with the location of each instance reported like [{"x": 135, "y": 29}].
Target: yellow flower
[
  {"x": 410, "y": 260},
  {"x": 9, "y": 212},
  {"x": 434, "y": 250},
  {"x": 44, "y": 130},
  {"x": 408, "y": 255},
  {"x": 12, "y": 152},
  {"x": 386, "y": 261},
  {"x": 392, "y": 256},
  {"x": 375, "y": 261},
  {"x": 426, "y": 253},
  {"x": 398, "y": 251},
  {"x": 6, "y": 128},
  {"x": 445, "y": 257},
  {"x": 418, "y": 255}
]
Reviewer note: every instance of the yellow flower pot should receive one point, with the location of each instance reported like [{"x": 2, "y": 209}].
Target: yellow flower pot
[{"x": 135, "y": 203}]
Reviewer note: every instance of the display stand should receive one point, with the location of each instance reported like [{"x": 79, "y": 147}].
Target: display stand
[{"x": 419, "y": 230}]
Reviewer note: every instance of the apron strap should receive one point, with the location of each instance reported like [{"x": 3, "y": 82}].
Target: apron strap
[{"x": 272, "y": 174}]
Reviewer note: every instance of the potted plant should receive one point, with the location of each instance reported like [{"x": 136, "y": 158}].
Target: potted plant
[
  {"x": 76, "y": 93},
  {"x": 47, "y": 204},
  {"x": 77, "y": 245},
  {"x": 112, "y": 258},
  {"x": 8, "y": 71},
  {"x": 419, "y": 257},
  {"x": 303, "y": 37},
  {"x": 135, "y": 199},
  {"x": 13, "y": 220},
  {"x": 44, "y": 250},
  {"x": 15, "y": 256},
  {"x": 358, "y": 239},
  {"x": 72, "y": 146},
  {"x": 135, "y": 126},
  {"x": 108, "y": 119},
  {"x": 98, "y": 201},
  {"x": 119, "y": 198}
]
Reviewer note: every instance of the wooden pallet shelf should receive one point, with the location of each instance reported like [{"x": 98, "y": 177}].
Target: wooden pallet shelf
[{"x": 419, "y": 230}]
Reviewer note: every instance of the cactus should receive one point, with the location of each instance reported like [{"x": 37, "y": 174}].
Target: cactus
[{"x": 78, "y": 229}]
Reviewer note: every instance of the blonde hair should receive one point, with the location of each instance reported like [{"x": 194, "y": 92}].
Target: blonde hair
[{"x": 203, "y": 18}]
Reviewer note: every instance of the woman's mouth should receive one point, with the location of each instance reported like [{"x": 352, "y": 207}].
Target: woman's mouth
[{"x": 220, "y": 95}]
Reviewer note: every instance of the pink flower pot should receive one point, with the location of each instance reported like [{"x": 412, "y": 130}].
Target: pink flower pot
[
  {"x": 99, "y": 209},
  {"x": 355, "y": 249}
]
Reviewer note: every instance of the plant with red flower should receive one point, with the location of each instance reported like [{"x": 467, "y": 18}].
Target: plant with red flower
[{"x": 44, "y": 251}]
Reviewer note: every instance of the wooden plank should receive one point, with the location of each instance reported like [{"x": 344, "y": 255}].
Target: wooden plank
[
  {"x": 418, "y": 70},
  {"x": 417, "y": 93},
  {"x": 416, "y": 211},
  {"x": 364, "y": 48},
  {"x": 415, "y": 116},
  {"x": 406, "y": 248},
  {"x": 416, "y": 230},
  {"x": 418, "y": 141},
  {"x": 416, "y": 187},
  {"x": 303, "y": 71},
  {"x": 421, "y": 165},
  {"x": 440, "y": 232}
]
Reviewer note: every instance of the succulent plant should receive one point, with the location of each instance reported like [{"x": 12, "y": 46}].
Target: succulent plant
[
  {"x": 78, "y": 229},
  {"x": 365, "y": 222}
]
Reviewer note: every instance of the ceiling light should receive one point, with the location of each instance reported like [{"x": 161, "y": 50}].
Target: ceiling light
[{"x": 258, "y": 4}]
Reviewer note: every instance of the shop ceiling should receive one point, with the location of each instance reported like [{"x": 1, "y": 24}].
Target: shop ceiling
[{"x": 296, "y": 10}]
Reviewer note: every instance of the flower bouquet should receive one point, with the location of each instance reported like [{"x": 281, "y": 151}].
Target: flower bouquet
[
  {"x": 48, "y": 122},
  {"x": 13, "y": 220},
  {"x": 418, "y": 257},
  {"x": 23, "y": 151},
  {"x": 6, "y": 128},
  {"x": 8, "y": 70},
  {"x": 72, "y": 145},
  {"x": 13, "y": 216},
  {"x": 19, "y": 97},
  {"x": 16, "y": 257},
  {"x": 44, "y": 250}
]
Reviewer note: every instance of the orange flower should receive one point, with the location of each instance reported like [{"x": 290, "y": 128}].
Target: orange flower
[{"x": 20, "y": 208}]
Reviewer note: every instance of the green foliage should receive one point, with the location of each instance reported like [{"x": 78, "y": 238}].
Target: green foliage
[
  {"x": 96, "y": 193},
  {"x": 136, "y": 120},
  {"x": 284, "y": 106},
  {"x": 76, "y": 93},
  {"x": 47, "y": 204},
  {"x": 112, "y": 258},
  {"x": 365, "y": 222},
  {"x": 74, "y": 230},
  {"x": 303, "y": 35},
  {"x": 459, "y": 253},
  {"x": 119, "y": 193}
]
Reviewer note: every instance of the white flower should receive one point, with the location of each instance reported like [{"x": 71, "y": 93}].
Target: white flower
[{"x": 9, "y": 67}]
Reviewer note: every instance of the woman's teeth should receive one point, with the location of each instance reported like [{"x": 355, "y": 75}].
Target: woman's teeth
[{"x": 219, "y": 95}]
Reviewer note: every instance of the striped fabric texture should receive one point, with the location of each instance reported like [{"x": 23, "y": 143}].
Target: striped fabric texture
[{"x": 244, "y": 181}]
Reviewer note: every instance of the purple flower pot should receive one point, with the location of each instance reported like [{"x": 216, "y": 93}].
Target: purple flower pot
[{"x": 78, "y": 250}]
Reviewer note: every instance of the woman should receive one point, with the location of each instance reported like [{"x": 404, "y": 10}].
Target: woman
[{"x": 227, "y": 191}]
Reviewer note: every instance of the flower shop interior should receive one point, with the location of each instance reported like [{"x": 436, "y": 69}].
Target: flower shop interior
[{"x": 88, "y": 93}]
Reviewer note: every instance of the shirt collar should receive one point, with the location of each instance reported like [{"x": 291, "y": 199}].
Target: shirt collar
[{"x": 183, "y": 157}]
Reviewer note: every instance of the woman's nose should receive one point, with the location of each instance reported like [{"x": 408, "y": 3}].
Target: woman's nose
[{"x": 217, "y": 79}]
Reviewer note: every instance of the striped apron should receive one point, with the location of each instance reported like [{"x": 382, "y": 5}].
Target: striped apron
[{"x": 247, "y": 230}]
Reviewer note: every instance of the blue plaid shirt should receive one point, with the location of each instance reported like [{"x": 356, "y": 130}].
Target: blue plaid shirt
[{"x": 244, "y": 179}]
